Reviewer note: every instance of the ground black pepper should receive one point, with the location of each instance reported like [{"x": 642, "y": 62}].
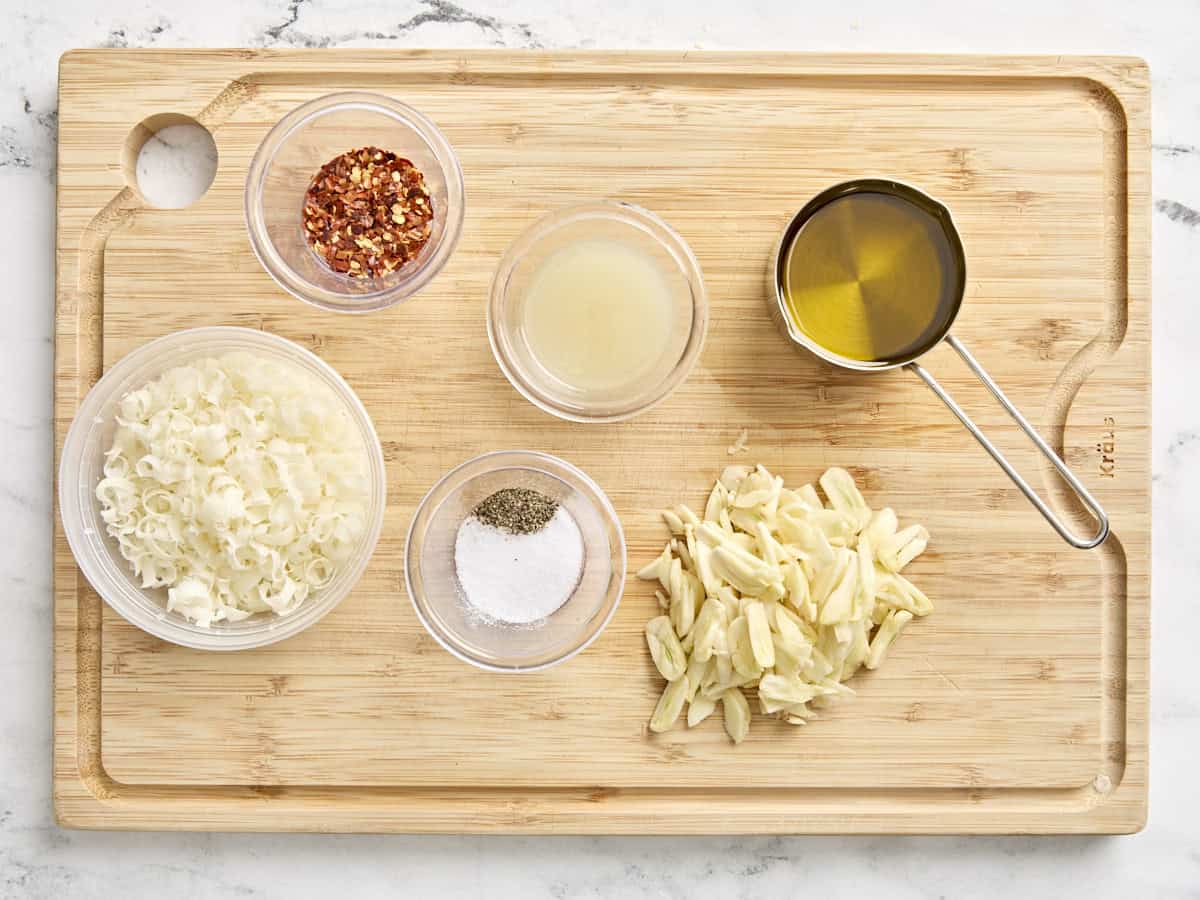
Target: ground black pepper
[{"x": 516, "y": 510}]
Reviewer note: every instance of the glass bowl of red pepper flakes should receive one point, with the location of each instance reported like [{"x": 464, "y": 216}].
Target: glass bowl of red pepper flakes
[{"x": 354, "y": 202}]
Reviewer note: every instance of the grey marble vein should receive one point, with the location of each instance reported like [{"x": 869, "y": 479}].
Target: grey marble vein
[
  {"x": 17, "y": 498},
  {"x": 1178, "y": 212},
  {"x": 443, "y": 12},
  {"x": 1182, "y": 440},
  {"x": 12, "y": 153},
  {"x": 144, "y": 37},
  {"x": 29, "y": 142},
  {"x": 290, "y": 31},
  {"x": 275, "y": 32}
]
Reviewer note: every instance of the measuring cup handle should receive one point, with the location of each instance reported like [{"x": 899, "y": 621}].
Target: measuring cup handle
[{"x": 1080, "y": 491}]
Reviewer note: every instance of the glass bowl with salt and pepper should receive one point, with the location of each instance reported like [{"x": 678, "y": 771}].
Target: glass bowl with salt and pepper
[{"x": 515, "y": 561}]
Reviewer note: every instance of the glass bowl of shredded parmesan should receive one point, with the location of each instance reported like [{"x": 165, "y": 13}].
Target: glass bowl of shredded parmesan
[{"x": 222, "y": 488}]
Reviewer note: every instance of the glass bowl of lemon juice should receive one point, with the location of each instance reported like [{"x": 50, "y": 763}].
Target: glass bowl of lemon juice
[{"x": 597, "y": 312}]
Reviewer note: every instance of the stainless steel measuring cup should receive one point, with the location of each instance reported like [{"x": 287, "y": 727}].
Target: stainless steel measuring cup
[{"x": 942, "y": 216}]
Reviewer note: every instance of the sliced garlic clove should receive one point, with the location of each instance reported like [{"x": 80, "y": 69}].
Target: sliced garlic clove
[
  {"x": 809, "y": 495},
  {"x": 663, "y": 603},
  {"x": 674, "y": 523},
  {"x": 741, "y": 540},
  {"x": 724, "y": 667},
  {"x": 733, "y": 568},
  {"x": 670, "y": 705},
  {"x": 686, "y": 515},
  {"x": 695, "y": 676},
  {"x": 710, "y": 623},
  {"x": 732, "y": 477},
  {"x": 729, "y": 599},
  {"x": 880, "y": 612},
  {"x": 680, "y": 549},
  {"x": 685, "y": 594},
  {"x": 771, "y": 508},
  {"x": 903, "y": 547},
  {"x": 699, "y": 710},
  {"x": 665, "y": 649},
  {"x": 659, "y": 569},
  {"x": 710, "y": 677},
  {"x": 746, "y": 520},
  {"x": 755, "y": 489},
  {"x": 885, "y": 636},
  {"x": 882, "y": 526},
  {"x": 837, "y": 527},
  {"x": 897, "y": 591},
  {"x": 845, "y": 497},
  {"x": 857, "y": 654},
  {"x": 787, "y": 663},
  {"x": 741, "y": 651},
  {"x": 797, "y": 592},
  {"x": 836, "y": 607},
  {"x": 864, "y": 595},
  {"x": 828, "y": 577},
  {"x": 718, "y": 499},
  {"x": 759, "y": 633},
  {"x": 737, "y": 714},
  {"x": 817, "y": 668},
  {"x": 769, "y": 549},
  {"x": 702, "y": 557},
  {"x": 778, "y": 692}
]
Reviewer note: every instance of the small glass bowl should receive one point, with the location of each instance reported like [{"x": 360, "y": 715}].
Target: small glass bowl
[
  {"x": 429, "y": 567},
  {"x": 605, "y": 220},
  {"x": 82, "y": 467},
  {"x": 292, "y": 153}
]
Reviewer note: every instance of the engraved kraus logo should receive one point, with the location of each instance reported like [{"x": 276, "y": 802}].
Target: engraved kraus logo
[{"x": 1107, "y": 449}]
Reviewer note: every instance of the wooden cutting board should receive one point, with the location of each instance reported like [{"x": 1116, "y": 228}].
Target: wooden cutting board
[{"x": 1019, "y": 706}]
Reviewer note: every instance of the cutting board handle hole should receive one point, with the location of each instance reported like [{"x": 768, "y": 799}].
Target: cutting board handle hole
[{"x": 170, "y": 160}]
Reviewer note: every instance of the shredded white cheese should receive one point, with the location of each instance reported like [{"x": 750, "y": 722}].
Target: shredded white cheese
[{"x": 237, "y": 483}]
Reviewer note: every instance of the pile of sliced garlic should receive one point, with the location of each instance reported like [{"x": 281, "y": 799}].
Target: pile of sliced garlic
[{"x": 774, "y": 589}]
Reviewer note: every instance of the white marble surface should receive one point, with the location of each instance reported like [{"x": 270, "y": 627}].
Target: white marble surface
[{"x": 39, "y": 860}]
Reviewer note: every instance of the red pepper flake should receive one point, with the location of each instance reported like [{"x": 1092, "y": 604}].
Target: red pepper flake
[{"x": 367, "y": 213}]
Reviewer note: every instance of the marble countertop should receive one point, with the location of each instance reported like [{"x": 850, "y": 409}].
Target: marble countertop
[{"x": 38, "y": 860}]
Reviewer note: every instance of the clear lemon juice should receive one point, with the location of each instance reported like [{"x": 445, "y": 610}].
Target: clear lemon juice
[{"x": 597, "y": 315}]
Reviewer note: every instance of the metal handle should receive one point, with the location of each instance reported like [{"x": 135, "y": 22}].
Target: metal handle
[{"x": 1030, "y": 494}]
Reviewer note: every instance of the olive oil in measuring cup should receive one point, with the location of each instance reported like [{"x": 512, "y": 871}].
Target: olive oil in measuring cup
[{"x": 871, "y": 277}]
